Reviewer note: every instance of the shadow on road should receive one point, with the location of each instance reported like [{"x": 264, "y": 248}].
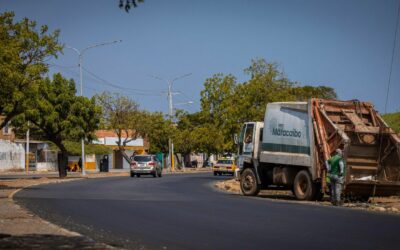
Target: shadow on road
[{"x": 44, "y": 241}]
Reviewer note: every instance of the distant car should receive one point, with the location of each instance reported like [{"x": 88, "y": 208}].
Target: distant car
[
  {"x": 224, "y": 166},
  {"x": 145, "y": 165}
]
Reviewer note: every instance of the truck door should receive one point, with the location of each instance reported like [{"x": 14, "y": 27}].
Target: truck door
[{"x": 247, "y": 135}]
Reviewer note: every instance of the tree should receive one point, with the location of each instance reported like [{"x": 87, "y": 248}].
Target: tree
[
  {"x": 128, "y": 4},
  {"x": 59, "y": 116},
  {"x": 226, "y": 104},
  {"x": 157, "y": 130},
  {"x": 218, "y": 107},
  {"x": 23, "y": 52},
  {"x": 122, "y": 115},
  {"x": 267, "y": 84},
  {"x": 304, "y": 93}
]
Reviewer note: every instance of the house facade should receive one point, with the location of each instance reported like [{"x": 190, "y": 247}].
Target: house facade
[{"x": 116, "y": 160}]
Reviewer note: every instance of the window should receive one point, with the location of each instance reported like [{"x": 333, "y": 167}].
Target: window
[
  {"x": 6, "y": 129},
  {"x": 142, "y": 158},
  {"x": 248, "y": 139},
  {"x": 225, "y": 162}
]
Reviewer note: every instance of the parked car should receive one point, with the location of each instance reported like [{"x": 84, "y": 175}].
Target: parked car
[
  {"x": 145, "y": 165},
  {"x": 224, "y": 166}
]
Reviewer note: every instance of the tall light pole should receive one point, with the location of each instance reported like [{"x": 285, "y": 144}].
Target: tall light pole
[
  {"x": 80, "y": 55},
  {"x": 170, "y": 112}
]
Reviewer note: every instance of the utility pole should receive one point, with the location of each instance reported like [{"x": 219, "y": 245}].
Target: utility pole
[
  {"x": 27, "y": 149},
  {"x": 170, "y": 114},
  {"x": 80, "y": 55}
]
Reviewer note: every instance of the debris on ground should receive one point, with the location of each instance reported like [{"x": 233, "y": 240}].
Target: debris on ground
[{"x": 380, "y": 204}]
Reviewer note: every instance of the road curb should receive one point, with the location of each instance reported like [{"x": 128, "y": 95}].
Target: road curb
[
  {"x": 58, "y": 229},
  {"x": 11, "y": 196}
]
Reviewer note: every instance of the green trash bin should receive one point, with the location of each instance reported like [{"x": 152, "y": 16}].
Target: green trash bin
[{"x": 160, "y": 157}]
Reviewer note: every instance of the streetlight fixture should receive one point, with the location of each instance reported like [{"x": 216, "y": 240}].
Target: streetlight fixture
[
  {"x": 170, "y": 112},
  {"x": 80, "y": 55}
]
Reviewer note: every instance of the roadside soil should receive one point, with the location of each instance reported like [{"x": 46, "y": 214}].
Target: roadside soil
[
  {"x": 19, "y": 229},
  {"x": 379, "y": 204}
]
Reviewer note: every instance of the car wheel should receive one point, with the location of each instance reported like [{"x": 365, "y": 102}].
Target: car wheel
[
  {"x": 248, "y": 182},
  {"x": 132, "y": 174},
  {"x": 138, "y": 175},
  {"x": 304, "y": 188},
  {"x": 155, "y": 174},
  {"x": 215, "y": 173}
]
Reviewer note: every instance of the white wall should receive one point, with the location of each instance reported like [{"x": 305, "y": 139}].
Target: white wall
[
  {"x": 46, "y": 166},
  {"x": 12, "y": 156}
]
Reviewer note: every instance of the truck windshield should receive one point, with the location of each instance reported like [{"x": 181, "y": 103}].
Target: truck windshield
[
  {"x": 242, "y": 134},
  {"x": 249, "y": 133},
  {"x": 248, "y": 139}
]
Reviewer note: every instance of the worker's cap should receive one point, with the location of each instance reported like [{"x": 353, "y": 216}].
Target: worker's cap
[{"x": 339, "y": 151}]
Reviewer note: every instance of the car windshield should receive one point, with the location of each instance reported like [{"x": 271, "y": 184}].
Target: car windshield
[
  {"x": 142, "y": 158},
  {"x": 225, "y": 162}
]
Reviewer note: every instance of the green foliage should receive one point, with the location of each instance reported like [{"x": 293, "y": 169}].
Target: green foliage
[
  {"x": 307, "y": 92},
  {"x": 393, "y": 120},
  {"x": 218, "y": 104},
  {"x": 122, "y": 115},
  {"x": 128, "y": 4},
  {"x": 74, "y": 148},
  {"x": 157, "y": 130},
  {"x": 58, "y": 115},
  {"x": 226, "y": 104},
  {"x": 24, "y": 50}
]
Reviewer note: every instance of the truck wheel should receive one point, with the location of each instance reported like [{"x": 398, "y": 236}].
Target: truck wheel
[
  {"x": 248, "y": 182},
  {"x": 304, "y": 188}
]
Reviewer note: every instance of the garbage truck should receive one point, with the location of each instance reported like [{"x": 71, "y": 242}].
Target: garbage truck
[{"x": 289, "y": 149}]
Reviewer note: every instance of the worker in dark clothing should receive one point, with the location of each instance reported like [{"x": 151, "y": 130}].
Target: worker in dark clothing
[
  {"x": 80, "y": 164},
  {"x": 336, "y": 170}
]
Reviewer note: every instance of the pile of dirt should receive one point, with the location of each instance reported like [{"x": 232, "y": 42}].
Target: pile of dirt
[{"x": 379, "y": 204}]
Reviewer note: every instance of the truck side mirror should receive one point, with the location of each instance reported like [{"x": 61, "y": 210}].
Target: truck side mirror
[{"x": 235, "y": 138}]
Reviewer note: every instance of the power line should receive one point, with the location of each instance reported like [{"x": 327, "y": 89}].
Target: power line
[
  {"x": 391, "y": 63},
  {"x": 132, "y": 90},
  {"x": 62, "y": 66},
  {"x": 96, "y": 78}
]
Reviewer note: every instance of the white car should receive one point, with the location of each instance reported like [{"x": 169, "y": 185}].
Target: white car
[{"x": 145, "y": 165}]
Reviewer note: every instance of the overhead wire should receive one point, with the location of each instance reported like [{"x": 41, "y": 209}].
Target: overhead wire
[
  {"x": 132, "y": 90},
  {"x": 98, "y": 79},
  {"x": 393, "y": 52}
]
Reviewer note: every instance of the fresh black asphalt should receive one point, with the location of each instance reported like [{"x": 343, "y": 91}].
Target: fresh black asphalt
[{"x": 186, "y": 212}]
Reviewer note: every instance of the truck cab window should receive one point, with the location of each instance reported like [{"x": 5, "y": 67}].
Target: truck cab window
[
  {"x": 248, "y": 138},
  {"x": 249, "y": 133}
]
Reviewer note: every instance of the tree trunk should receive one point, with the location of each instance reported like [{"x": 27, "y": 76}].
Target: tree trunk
[
  {"x": 122, "y": 151},
  {"x": 62, "y": 164},
  {"x": 62, "y": 160},
  {"x": 179, "y": 161}
]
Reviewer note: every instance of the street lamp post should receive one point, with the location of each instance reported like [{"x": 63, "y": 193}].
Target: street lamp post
[
  {"x": 80, "y": 55},
  {"x": 170, "y": 112}
]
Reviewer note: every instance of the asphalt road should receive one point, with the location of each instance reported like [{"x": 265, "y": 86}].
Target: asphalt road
[{"x": 186, "y": 212}]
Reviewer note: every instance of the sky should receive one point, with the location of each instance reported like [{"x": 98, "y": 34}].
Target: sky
[{"x": 344, "y": 44}]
